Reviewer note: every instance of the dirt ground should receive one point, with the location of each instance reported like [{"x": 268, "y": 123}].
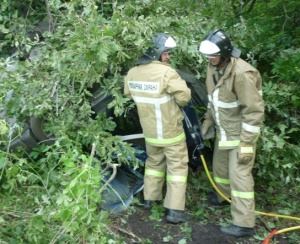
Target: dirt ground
[
  {"x": 140, "y": 227},
  {"x": 137, "y": 225},
  {"x": 163, "y": 232}
]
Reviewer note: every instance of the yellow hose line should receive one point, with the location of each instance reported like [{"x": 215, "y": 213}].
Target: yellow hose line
[
  {"x": 288, "y": 229},
  {"x": 228, "y": 200},
  {"x": 278, "y": 215},
  {"x": 212, "y": 181}
]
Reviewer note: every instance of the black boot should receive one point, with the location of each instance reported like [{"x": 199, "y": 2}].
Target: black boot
[
  {"x": 237, "y": 231},
  {"x": 148, "y": 204},
  {"x": 176, "y": 216},
  {"x": 213, "y": 200}
]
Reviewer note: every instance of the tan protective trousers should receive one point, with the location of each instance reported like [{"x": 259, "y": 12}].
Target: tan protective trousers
[
  {"x": 235, "y": 180},
  {"x": 173, "y": 161}
]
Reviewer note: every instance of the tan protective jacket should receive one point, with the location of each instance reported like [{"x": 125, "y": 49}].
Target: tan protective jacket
[
  {"x": 235, "y": 103},
  {"x": 158, "y": 92}
]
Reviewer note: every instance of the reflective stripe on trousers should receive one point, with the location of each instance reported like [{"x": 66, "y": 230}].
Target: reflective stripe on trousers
[
  {"x": 176, "y": 178},
  {"x": 236, "y": 181},
  {"x": 173, "y": 160},
  {"x": 153, "y": 172}
]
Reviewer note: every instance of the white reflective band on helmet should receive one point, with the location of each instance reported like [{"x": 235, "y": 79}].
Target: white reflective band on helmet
[
  {"x": 158, "y": 116},
  {"x": 247, "y": 150},
  {"x": 208, "y": 48},
  {"x": 170, "y": 43},
  {"x": 250, "y": 128}
]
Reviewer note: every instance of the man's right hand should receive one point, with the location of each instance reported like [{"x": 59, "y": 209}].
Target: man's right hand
[
  {"x": 246, "y": 153},
  {"x": 207, "y": 130}
]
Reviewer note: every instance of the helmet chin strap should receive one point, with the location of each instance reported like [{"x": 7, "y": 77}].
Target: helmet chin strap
[{"x": 223, "y": 62}]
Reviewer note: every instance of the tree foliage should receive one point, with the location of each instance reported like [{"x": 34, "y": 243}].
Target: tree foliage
[{"x": 55, "y": 52}]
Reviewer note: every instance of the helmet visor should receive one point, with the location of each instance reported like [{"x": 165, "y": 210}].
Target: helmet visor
[{"x": 211, "y": 55}]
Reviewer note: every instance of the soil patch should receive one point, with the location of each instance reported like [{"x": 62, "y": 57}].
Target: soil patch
[{"x": 139, "y": 228}]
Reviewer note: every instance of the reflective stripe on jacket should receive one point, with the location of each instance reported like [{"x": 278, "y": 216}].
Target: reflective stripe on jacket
[
  {"x": 235, "y": 103},
  {"x": 158, "y": 91}
]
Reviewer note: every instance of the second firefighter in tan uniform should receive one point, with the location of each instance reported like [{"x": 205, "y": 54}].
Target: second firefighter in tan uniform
[
  {"x": 236, "y": 110},
  {"x": 159, "y": 92}
]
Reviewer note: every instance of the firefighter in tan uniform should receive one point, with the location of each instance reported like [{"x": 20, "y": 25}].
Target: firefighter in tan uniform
[
  {"x": 159, "y": 92},
  {"x": 236, "y": 111}
]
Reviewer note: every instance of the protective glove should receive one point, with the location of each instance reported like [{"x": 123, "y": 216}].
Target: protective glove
[
  {"x": 246, "y": 153},
  {"x": 207, "y": 130}
]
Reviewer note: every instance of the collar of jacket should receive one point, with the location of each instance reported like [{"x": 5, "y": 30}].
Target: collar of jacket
[
  {"x": 158, "y": 62},
  {"x": 228, "y": 70}
]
